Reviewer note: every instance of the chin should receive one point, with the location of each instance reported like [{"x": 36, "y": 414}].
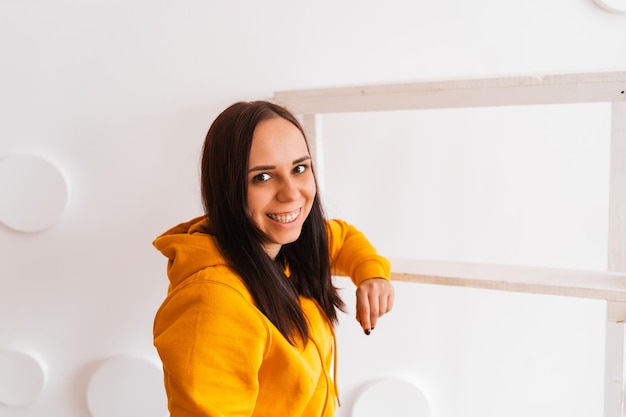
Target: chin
[
  {"x": 285, "y": 240},
  {"x": 288, "y": 241}
]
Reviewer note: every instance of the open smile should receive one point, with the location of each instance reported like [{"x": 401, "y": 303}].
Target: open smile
[{"x": 288, "y": 217}]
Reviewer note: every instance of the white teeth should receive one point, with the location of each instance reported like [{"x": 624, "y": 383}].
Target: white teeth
[{"x": 284, "y": 218}]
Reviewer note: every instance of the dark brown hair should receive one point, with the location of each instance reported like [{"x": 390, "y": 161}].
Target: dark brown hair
[{"x": 224, "y": 183}]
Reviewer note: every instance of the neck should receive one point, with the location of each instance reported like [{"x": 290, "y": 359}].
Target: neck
[{"x": 272, "y": 250}]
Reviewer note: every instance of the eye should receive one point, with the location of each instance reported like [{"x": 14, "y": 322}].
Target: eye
[
  {"x": 261, "y": 177},
  {"x": 299, "y": 169}
]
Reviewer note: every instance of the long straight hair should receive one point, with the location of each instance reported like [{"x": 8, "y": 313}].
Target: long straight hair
[{"x": 224, "y": 183}]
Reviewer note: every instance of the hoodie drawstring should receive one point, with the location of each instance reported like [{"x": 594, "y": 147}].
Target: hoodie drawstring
[
  {"x": 332, "y": 331},
  {"x": 325, "y": 371}
]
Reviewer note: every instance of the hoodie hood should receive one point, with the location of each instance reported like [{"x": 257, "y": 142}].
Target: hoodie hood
[{"x": 188, "y": 249}]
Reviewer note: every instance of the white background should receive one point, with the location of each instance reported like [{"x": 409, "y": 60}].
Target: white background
[{"x": 119, "y": 95}]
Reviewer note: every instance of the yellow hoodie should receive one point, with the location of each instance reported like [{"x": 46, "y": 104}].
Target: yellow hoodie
[{"x": 222, "y": 357}]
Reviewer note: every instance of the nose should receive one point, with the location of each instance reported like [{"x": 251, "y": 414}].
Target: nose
[{"x": 288, "y": 190}]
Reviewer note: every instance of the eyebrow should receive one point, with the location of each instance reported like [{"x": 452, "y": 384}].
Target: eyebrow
[{"x": 271, "y": 167}]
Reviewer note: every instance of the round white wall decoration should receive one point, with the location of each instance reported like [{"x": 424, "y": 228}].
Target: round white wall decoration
[
  {"x": 613, "y": 6},
  {"x": 22, "y": 378},
  {"x": 124, "y": 386},
  {"x": 33, "y": 193},
  {"x": 391, "y": 397}
]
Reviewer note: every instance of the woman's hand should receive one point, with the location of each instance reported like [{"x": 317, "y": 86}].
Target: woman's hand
[{"x": 374, "y": 297}]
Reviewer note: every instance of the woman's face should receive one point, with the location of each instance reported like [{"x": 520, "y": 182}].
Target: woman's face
[{"x": 281, "y": 185}]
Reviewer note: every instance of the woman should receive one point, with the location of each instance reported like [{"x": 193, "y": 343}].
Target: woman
[{"x": 247, "y": 325}]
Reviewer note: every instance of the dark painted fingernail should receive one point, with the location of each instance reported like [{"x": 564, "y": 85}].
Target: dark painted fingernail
[
  {"x": 372, "y": 328},
  {"x": 367, "y": 332}
]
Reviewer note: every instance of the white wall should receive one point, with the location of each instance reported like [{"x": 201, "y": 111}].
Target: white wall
[
  {"x": 518, "y": 185},
  {"x": 119, "y": 96}
]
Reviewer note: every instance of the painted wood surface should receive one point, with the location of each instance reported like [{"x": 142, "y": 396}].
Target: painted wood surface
[{"x": 475, "y": 92}]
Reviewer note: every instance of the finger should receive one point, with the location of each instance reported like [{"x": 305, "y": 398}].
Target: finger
[
  {"x": 390, "y": 299},
  {"x": 386, "y": 300},
  {"x": 363, "y": 310},
  {"x": 374, "y": 307},
  {"x": 383, "y": 305}
]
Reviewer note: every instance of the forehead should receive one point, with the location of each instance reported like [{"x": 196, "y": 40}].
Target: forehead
[{"x": 276, "y": 140}]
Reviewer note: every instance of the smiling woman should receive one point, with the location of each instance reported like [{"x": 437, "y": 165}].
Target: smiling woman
[
  {"x": 247, "y": 327},
  {"x": 282, "y": 187}
]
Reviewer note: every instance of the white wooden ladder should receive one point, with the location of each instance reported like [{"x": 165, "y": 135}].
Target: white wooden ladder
[{"x": 507, "y": 91}]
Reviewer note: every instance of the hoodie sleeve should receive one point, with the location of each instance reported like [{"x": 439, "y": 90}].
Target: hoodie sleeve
[
  {"x": 353, "y": 255},
  {"x": 212, "y": 345}
]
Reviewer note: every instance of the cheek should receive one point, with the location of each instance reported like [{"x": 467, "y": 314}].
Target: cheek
[{"x": 310, "y": 191}]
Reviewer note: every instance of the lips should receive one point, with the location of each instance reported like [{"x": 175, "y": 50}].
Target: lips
[{"x": 288, "y": 217}]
